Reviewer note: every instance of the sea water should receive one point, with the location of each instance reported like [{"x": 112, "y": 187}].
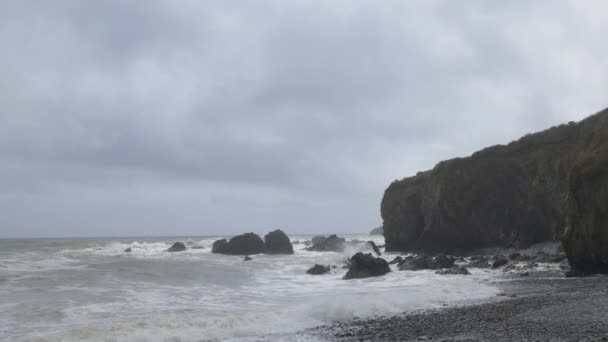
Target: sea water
[{"x": 92, "y": 290}]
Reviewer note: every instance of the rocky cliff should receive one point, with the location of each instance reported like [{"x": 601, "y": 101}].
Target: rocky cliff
[{"x": 508, "y": 195}]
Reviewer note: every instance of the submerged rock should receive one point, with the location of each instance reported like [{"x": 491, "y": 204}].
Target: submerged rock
[
  {"x": 499, "y": 262},
  {"x": 365, "y": 266},
  {"x": 277, "y": 242},
  {"x": 247, "y": 258},
  {"x": 128, "y": 250},
  {"x": 245, "y": 244},
  {"x": 332, "y": 243},
  {"x": 454, "y": 270},
  {"x": 177, "y": 247},
  {"x": 318, "y": 269}
]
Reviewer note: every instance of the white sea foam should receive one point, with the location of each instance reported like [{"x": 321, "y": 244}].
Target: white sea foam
[{"x": 95, "y": 291}]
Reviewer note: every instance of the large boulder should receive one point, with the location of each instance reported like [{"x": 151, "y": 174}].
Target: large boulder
[
  {"x": 332, "y": 243},
  {"x": 218, "y": 246},
  {"x": 245, "y": 244},
  {"x": 177, "y": 247},
  {"x": 277, "y": 242},
  {"x": 365, "y": 266}
]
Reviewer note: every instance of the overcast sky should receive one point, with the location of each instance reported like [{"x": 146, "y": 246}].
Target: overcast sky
[{"x": 183, "y": 117}]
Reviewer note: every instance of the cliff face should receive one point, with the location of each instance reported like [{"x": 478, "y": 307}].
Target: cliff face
[{"x": 508, "y": 196}]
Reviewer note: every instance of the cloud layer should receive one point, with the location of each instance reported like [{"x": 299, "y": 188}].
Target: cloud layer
[{"x": 189, "y": 117}]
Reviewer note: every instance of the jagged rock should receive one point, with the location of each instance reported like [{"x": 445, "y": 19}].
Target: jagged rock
[
  {"x": 454, "y": 270},
  {"x": 374, "y": 247},
  {"x": 426, "y": 262},
  {"x": 318, "y": 269},
  {"x": 128, "y": 250},
  {"x": 177, "y": 247},
  {"x": 332, "y": 243},
  {"x": 443, "y": 261},
  {"x": 377, "y": 231},
  {"x": 501, "y": 261},
  {"x": 277, "y": 242},
  {"x": 247, "y": 258},
  {"x": 245, "y": 244},
  {"x": 365, "y": 266},
  {"x": 397, "y": 260}
]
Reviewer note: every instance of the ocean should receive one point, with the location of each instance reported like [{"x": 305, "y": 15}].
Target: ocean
[{"x": 91, "y": 290}]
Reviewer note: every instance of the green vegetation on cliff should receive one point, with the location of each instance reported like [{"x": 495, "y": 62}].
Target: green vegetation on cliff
[{"x": 507, "y": 195}]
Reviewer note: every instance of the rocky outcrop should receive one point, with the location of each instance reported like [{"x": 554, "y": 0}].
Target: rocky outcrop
[
  {"x": 377, "y": 231},
  {"x": 245, "y": 244},
  {"x": 318, "y": 269},
  {"x": 277, "y": 242},
  {"x": 511, "y": 195},
  {"x": 366, "y": 266},
  {"x": 332, "y": 243},
  {"x": 426, "y": 262},
  {"x": 177, "y": 247}
]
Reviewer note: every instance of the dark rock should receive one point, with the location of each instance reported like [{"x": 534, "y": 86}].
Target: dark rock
[
  {"x": 245, "y": 244},
  {"x": 374, "y": 247},
  {"x": 514, "y": 256},
  {"x": 552, "y": 258},
  {"x": 318, "y": 269},
  {"x": 510, "y": 195},
  {"x": 128, "y": 250},
  {"x": 318, "y": 239},
  {"x": 443, "y": 261},
  {"x": 377, "y": 231},
  {"x": 247, "y": 258},
  {"x": 218, "y": 246},
  {"x": 332, "y": 243},
  {"x": 177, "y": 247},
  {"x": 454, "y": 270},
  {"x": 500, "y": 262},
  {"x": 479, "y": 261},
  {"x": 365, "y": 266},
  {"x": 277, "y": 242},
  {"x": 525, "y": 274},
  {"x": 419, "y": 262},
  {"x": 397, "y": 260}
]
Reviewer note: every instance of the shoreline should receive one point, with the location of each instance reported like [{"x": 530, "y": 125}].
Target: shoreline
[{"x": 545, "y": 306}]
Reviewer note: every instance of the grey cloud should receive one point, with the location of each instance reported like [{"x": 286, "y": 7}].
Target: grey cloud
[{"x": 133, "y": 115}]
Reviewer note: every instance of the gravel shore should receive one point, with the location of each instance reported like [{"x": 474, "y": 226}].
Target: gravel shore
[{"x": 544, "y": 306}]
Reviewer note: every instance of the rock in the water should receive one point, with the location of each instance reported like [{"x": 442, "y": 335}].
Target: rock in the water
[
  {"x": 247, "y": 258},
  {"x": 245, "y": 244},
  {"x": 479, "y": 261},
  {"x": 177, "y": 247},
  {"x": 426, "y": 262},
  {"x": 128, "y": 250},
  {"x": 377, "y": 231},
  {"x": 277, "y": 242},
  {"x": 365, "y": 266},
  {"x": 374, "y": 247},
  {"x": 218, "y": 246},
  {"x": 499, "y": 262},
  {"x": 454, "y": 270},
  {"x": 317, "y": 239},
  {"x": 397, "y": 260},
  {"x": 318, "y": 269},
  {"x": 576, "y": 274},
  {"x": 443, "y": 261},
  {"x": 332, "y": 243}
]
